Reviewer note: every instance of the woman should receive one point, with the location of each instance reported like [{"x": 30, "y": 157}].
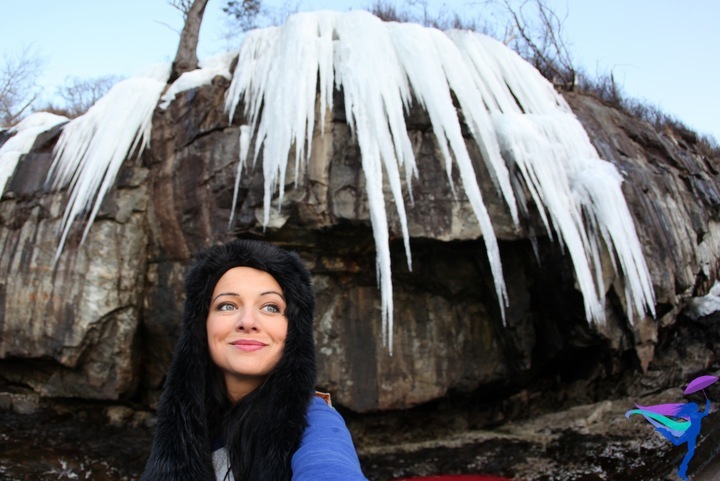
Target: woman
[{"x": 238, "y": 402}]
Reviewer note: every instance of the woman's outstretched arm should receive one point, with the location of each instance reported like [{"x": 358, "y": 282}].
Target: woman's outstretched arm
[{"x": 326, "y": 452}]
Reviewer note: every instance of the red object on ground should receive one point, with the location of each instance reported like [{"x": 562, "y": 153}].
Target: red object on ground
[{"x": 457, "y": 477}]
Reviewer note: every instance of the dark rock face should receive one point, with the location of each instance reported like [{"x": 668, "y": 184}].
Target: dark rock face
[
  {"x": 102, "y": 322},
  {"x": 70, "y": 331}
]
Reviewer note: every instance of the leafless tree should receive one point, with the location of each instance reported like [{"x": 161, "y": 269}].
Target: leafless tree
[
  {"x": 78, "y": 94},
  {"x": 249, "y": 14},
  {"x": 19, "y": 90},
  {"x": 540, "y": 40},
  {"x": 244, "y": 12},
  {"x": 186, "y": 57}
]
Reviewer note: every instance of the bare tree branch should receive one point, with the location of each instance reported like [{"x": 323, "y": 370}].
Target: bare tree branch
[
  {"x": 543, "y": 44},
  {"x": 244, "y": 12},
  {"x": 182, "y": 5},
  {"x": 18, "y": 84},
  {"x": 78, "y": 94},
  {"x": 249, "y": 14}
]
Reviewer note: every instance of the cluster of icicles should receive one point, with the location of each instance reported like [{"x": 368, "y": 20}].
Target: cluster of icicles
[{"x": 533, "y": 146}]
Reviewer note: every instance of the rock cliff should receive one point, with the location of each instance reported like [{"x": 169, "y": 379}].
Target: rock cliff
[{"x": 101, "y": 322}]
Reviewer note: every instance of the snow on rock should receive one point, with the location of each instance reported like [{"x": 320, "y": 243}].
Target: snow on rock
[
  {"x": 23, "y": 138},
  {"x": 699, "y": 307},
  {"x": 217, "y": 65},
  {"x": 92, "y": 147},
  {"x": 534, "y": 147}
]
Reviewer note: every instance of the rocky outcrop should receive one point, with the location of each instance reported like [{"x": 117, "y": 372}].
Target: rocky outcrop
[
  {"x": 673, "y": 191},
  {"x": 69, "y": 328},
  {"x": 102, "y": 321}
]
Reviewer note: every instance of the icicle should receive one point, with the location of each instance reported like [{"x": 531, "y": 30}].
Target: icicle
[
  {"x": 528, "y": 137},
  {"x": 539, "y": 163},
  {"x": 23, "y": 138},
  {"x": 376, "y": 93},
  {"x": 92, "y": 147},
  {"x": 290, "y": 117},
  {"x": 245, "y": 138},
  {"x": 551, "y": 152},
  {"x": 598, "y": 187},
  {"x": 353, "y": 47},
  {"x": 434, "y": 67}
]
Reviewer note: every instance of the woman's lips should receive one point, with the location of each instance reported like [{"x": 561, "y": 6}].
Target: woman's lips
[{"x": 248, "y": 345}]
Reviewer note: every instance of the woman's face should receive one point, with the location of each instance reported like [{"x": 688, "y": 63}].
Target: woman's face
[{"x": 246, "y": 328}]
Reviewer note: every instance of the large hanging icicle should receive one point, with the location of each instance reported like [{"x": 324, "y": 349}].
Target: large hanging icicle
[
  {"x": 23, "y": 138},
  {"x": 563, "y": 173},
  {"x": 597, "y": 188},
  {"x": 533, "y": 146},
  {"x": 434, "y": 68},
  {"x": 305, "y": 49},
  {"x": 92, "y": 147}
]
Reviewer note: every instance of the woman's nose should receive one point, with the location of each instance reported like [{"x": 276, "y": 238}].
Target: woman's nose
[{"x": 246, "y": 321}]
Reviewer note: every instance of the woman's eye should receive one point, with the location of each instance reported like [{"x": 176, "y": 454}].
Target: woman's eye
[
  {"x": 226, "y": 306},
  {"x": 272, "y": 308}
]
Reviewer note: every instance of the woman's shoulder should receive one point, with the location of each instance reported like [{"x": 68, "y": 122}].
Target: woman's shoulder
[{"x": 326, "y": 450}]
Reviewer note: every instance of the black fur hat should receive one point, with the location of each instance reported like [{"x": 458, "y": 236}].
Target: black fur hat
[{"x": 263, "y": 431}]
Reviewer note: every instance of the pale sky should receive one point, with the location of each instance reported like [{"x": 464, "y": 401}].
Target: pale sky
[{"x": 662, "y": 51}]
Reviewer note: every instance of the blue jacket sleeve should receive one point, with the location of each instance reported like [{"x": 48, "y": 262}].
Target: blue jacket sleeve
[{"x": 326, "y": 451}]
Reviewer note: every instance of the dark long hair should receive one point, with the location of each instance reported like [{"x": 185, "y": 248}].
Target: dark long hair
[{"x": 261, "y": 431}]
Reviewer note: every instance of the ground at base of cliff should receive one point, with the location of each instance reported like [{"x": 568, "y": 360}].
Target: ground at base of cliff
[{"x": 593, "y": 442}]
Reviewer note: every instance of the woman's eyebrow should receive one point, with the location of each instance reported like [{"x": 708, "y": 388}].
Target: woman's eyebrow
[
  {"x": 225, "y": 294},
  {"x": 273, "y": 292},
  {"x": 235, "y": 294}
]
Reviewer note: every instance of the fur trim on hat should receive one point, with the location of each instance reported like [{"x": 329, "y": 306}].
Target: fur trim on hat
[{"x": 263, "y": 430}]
